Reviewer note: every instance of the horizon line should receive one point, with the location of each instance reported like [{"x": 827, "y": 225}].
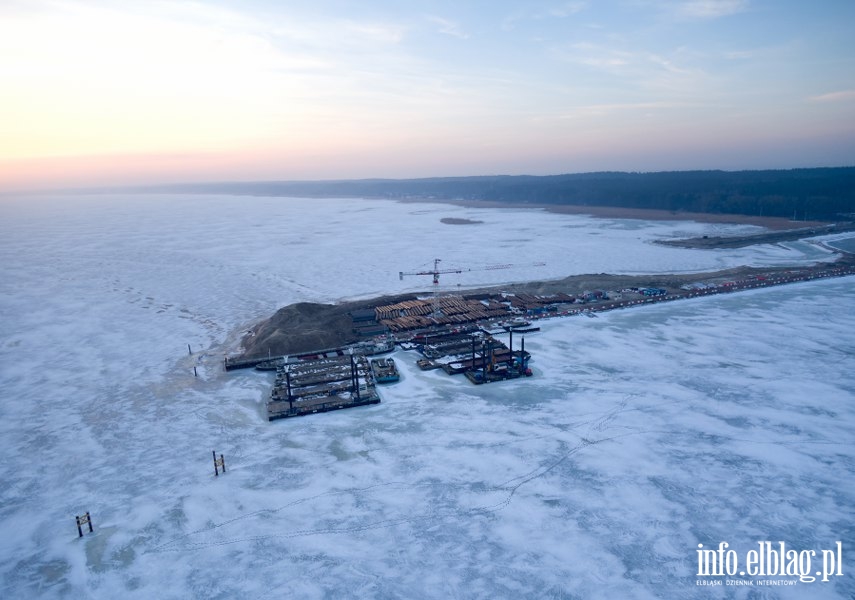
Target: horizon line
[{"x": 141, "y": 187}]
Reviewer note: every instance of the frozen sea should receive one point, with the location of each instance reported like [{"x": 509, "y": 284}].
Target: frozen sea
[{"x": 644, "y": 432}]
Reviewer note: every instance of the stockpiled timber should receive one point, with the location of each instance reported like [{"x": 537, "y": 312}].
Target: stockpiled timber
[
  {"x": 405, "y": 323},
  {"x": 403, "y": 309},
  {"x": 452, "y": 310},
  {"x": 299, "y": 327}
]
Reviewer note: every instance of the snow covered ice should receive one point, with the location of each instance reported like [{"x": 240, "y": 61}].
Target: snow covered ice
[{"x": 643, "y": 433}]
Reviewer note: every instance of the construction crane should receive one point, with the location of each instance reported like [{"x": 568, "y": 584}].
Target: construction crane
[{"x": 436, "y": 272}]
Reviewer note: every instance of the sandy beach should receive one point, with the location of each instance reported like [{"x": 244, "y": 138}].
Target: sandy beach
[{"x": 614, "y": 212}]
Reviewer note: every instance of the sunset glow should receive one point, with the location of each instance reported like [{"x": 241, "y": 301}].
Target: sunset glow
[{"x": 119, "y": 92}]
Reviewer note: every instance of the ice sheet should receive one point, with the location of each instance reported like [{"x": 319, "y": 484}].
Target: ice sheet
[{"x": 643, "y": 433}]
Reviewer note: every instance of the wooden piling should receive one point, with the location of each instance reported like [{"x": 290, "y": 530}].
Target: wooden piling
[
  {"x": 218, "y": 464},
  {"x": 81, "y": 521}
]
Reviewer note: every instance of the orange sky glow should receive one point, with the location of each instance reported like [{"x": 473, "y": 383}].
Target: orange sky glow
[{"x": 115, "y": 92}]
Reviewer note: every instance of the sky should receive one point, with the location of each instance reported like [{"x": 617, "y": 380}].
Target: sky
[{"x": 107, "y": 92}]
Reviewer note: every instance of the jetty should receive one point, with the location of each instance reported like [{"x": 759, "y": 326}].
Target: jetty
[
  {"x": 469, "y": 341},
  {"x": 384, "y": 370},
  {"x": 321, "y": 384}
]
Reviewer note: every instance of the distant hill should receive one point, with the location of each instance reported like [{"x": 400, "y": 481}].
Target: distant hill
[{"x": 809, "y": 194}]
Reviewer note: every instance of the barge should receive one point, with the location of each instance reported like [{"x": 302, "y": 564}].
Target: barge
[
  {"x": 476, "y": 353},
  {"x": 384, "y": 370},
  {"x": 321, "y": 385},
  {"x": 284, "y": 410},
  {"x": 271, "y": 363}
]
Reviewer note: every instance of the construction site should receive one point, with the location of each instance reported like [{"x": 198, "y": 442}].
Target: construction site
[
  {"x": 347, "y": 377},
  {"x": 470, "y": 334},
  {"x": 305, "y": 387},
  {"x": 473, "y": 351},
  {"x": 442, "y": 328}
]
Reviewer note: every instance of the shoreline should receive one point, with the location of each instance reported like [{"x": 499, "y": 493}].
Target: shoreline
[
  {"x": 306, "y": 326},
  {"x": 768, "y": 237},
  {"x": 643, "y": 214}
]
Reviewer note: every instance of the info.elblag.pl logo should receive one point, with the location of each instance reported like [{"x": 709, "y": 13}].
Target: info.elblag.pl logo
[{"x": 771, "y": 560}]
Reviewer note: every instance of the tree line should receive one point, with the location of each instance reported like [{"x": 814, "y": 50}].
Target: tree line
[{"x": 806, "y": 194}]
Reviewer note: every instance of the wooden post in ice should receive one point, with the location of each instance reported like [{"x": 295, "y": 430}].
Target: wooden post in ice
[
  {"x": 195, "y": 374},
  {"x": 511, "y": 344},
  {"x": 189, "y": 351},
  {"x": 219, "y": 464},
  {"x": 81, "y": 521},
  {"x": 354, "y": 376}
]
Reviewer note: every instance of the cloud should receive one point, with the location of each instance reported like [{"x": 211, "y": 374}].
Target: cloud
[
  {"x": 593, "y": 55},
  {"x": 667, "y": 64},
  {"x": 566, "y": 9},
  {"x": 739, "y": 55},
  {"x": 377, "y": 32},
  {"x": 695, "y": 9},
  {"x": 557, "y": 11},
  {"x": 448, "y": 27},
  {"x": 606, "y": 109},
  {"x": 842, "y": 96},
  {"x": 627, "y": 61},
  {"x": 90, "y": 79},
  {"x": 711, "y": 9}
]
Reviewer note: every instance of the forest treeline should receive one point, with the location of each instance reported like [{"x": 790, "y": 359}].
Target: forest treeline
[{"x": 807, "y": 194}]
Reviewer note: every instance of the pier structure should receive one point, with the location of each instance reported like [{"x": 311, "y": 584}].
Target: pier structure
[
  {"x": 466, "y": 336},
  {"x": 453, "y": 313},
  {"x": 478, "y": 354},
  {"x": 384, "y": 370},
  {"x": 322, "y": 385}
]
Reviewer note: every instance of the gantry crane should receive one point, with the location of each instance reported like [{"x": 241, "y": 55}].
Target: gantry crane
[{"x": 436, "y": 272}]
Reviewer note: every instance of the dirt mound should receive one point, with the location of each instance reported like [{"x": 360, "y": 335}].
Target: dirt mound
[
  {"x": 300, "y": 327},
  {"x": 307, "y": 326}
]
